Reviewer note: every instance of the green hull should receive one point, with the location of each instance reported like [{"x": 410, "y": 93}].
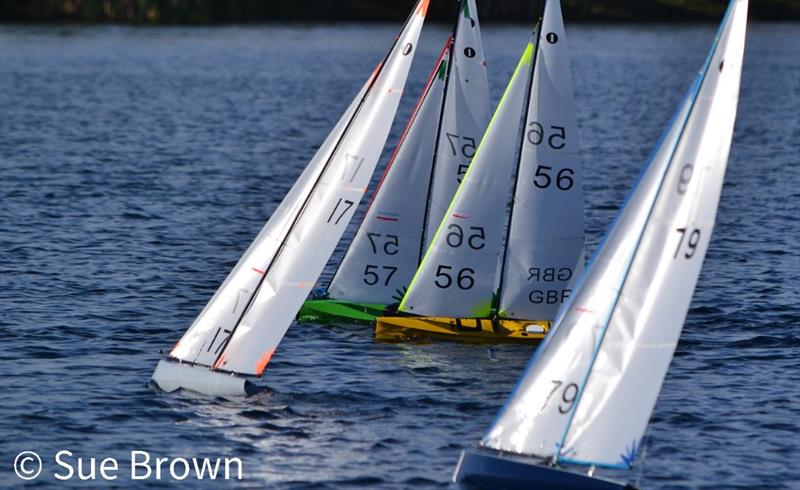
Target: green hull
[{"x": 333, "y": 311}]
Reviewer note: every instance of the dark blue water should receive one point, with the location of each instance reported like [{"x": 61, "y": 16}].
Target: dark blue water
[{"x": 136, "y": 164}]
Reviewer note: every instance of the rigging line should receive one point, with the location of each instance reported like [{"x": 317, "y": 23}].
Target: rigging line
[
  {"x": 521, "y": 139},
  {"x": 604, "y": 330},
  {"x": 450, "y": 62},
  {"x": 322, "y": 173},
  {"x": 411, "y": 120}
]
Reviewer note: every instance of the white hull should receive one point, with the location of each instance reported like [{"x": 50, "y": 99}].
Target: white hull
[{"x": 170, "y": 376}]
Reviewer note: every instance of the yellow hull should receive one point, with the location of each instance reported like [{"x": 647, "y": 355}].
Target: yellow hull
[{"x": 472, "y": 330}]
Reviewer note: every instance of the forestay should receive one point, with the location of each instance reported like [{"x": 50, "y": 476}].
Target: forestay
[
  {"x": 384, "y": 254},
  {"x": 464, "y": 115},
  {"x": 457, "y": 275},
  {"x": 243, "y": 323},
  {"x": 588, "y": 393},
  {"x": 544, "y": 249}
]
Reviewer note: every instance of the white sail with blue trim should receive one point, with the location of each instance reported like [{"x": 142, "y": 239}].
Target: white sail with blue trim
[{"x": 587, "y": 395}]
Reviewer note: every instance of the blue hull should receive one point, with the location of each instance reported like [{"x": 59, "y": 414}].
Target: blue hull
[{"x": 481, "y": 469}]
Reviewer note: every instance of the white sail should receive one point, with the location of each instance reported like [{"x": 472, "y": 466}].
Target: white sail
[
  {"x": 381, "y": 261},
  {"x": 245, "y": 320},
  {"x": 222, "y": 312},
  {"x": 544, "y": 249},
  {"x": 588, "y": 393},
  {"x": 457, "y": 275},
  {"x": 464, "y": 115}
]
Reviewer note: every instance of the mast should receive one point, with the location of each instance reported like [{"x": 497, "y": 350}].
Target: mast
[
  {"x": 521, "y": 137},
  {"x": 450, "y": 62}
]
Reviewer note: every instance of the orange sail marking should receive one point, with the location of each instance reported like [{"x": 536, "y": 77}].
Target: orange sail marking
[
  {"x": 423, "y": 8},
  {"x": 261, "y": 364}
]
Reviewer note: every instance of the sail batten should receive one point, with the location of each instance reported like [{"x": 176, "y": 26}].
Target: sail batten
[{"x": 587, "y": 394}]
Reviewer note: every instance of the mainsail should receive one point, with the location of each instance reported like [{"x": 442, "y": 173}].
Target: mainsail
[
  {"x": 243, "y": 323},
  {"x": 588, "y": 393}
]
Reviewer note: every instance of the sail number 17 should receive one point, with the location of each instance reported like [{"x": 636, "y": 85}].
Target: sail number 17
[{"x": 337, "y": 213}]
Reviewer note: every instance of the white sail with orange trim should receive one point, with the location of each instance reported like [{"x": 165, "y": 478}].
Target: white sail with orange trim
[{"x": 248, "y": 316}]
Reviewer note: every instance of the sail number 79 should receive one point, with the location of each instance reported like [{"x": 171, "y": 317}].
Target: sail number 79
[
  {"x": 691, "y": 243},
  {"x": 567, "y": 397}
]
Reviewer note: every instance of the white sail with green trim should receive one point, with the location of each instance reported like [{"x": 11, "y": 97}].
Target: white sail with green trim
[{"x": 458, "y": 273}]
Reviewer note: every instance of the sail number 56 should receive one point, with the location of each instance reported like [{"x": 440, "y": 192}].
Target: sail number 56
[
  {"x": 475, "y": 241},
  {"x": 556, "y": 140},
  {"x": 463, "y": 279},
  {"x": 542, "y": 178}
]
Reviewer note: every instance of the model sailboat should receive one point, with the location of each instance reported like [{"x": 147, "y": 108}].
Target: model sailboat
[
  {"x": 530, "y": 151},
  {"x": 421, "y": 177},
  {"x": 238, "y": 331},
  {"x": 587, "y": 395}
]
